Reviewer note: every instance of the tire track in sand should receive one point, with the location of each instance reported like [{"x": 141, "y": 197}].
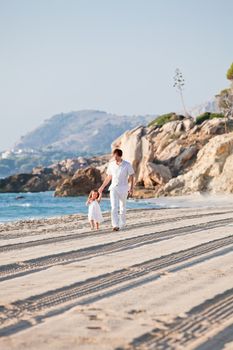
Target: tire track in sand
[
  {"x": 14, "y": 270},
  {"x": 184, "y": 331},
  {"x": 32, "y": 310}
]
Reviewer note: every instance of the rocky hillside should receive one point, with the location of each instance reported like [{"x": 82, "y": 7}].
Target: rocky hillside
[
  {"x": 84, "y": 133},
  {"x": 180, "y": 157},
  {"x": 87, "y": 131},
  {"x": 172, "y": 155},
  {"x": 212, "y": 171}
]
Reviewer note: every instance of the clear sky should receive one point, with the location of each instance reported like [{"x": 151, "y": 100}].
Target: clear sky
[{"x": 113, "y": 55}]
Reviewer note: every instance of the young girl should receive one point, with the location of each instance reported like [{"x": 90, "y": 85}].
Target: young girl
[{"x": 94, "y": 211}]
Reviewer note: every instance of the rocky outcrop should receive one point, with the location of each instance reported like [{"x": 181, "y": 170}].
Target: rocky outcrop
[
  {"x": 212, "y": 172},
  {"x": 161, "y": 156},
  {"x": 152, "y": 151},
  {"x": 29, "y": 183},
  {"x": 81, "y": 183},
  {"x": 179, "y": 157},
  {"x": 156, "y": 174},
  {"x": 60, "y": 176}
]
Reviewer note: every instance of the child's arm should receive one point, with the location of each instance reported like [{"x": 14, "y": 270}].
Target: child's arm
[{"x": 88, "y": 199}]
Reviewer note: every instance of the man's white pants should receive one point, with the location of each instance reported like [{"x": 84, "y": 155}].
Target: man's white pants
[{"x": 118, "y": 203}]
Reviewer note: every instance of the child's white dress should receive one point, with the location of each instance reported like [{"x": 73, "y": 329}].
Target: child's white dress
[{"x": 94, "y": 212}]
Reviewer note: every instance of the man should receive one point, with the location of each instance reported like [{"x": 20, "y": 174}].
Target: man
[{"x": 121, "y": 173}]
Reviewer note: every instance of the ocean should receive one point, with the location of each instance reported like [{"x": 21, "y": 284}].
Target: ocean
[{"x": 45, "y": 205}]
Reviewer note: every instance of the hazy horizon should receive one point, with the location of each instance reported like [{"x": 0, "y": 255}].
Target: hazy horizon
[{"x": 115, "y": 56}]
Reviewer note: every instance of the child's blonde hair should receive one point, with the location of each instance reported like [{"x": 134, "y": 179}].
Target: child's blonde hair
[{"x": 92, "y": 191}]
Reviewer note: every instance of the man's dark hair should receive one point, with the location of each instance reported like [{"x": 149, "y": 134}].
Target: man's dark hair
[{"x": 118, "y": 151}]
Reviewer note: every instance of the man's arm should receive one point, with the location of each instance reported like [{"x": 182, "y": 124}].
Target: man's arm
[
  {"x": 105, "y": 183},
  {"x": 131, "y": 181},
  {"x": 99, "y": 198}
]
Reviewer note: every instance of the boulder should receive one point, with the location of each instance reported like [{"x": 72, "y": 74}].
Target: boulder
[
  {"x": 212, "y": 127},
  {"x": 42, "y": 170},
  {"x": 155, "y": 147},
  {"x": 133, "y": 145},
  {"x": 212, "y": 171},
  {"x": 81, "y": 183},
  {"x": 156, "y": 175},
  {"x": 172, "y": 150},
  {"x": 186, "y": 155},
  {"x": 69, "y": 166},
  {"x": 25, "y": 183}
]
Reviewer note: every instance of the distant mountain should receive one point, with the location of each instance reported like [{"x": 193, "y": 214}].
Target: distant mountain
[
  {"x": 86, "y": 131},
  {"x": 208, "y": 106}
]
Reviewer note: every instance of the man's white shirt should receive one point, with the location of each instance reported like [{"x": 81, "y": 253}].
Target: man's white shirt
[{"x": 120, "y": 173}]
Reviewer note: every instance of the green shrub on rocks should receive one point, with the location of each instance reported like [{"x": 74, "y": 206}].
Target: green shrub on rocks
[
  {"x": 207, "y": 116},
  {"x": 165, "y": 118}
]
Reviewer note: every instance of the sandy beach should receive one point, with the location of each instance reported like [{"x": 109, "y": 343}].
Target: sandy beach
[{"x": 164, "y": 282}]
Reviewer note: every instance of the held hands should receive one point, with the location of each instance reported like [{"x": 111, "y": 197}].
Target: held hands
[
  {"x": 130, "y": 193},
  {"x": 100, "y": 190}
]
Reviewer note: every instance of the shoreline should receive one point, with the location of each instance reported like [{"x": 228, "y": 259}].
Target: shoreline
[
  {"x": 61, "y": 219},
  {"x": 42, "y": 206},
  {"x": 195, "y": 200}
]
